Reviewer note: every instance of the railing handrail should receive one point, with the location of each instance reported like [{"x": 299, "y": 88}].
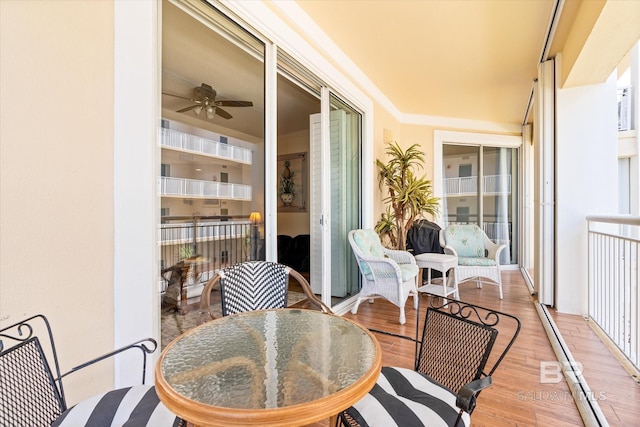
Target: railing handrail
[
  {"x": 189, "y": 224},
  {"x": 204, "y": 146},
  {"x": 492, "y": 184},
  {"x": 622, "y": 219},
  {"x": 205, "y": 189}
]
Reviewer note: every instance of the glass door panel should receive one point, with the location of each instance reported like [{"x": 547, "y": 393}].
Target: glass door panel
[
  {"x": 298, "y": 98},
  {"x": 480, "y": 187},
  {"x": 212, "y": 192},
  {"x": 499, "y": 199},
  {"x": 460, "y": 201}
]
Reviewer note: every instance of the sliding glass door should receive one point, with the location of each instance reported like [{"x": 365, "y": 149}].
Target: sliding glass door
[{"x": 480, "y": 188}]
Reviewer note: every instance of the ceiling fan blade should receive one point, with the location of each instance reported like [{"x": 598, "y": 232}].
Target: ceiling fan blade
[
  {"x": 222, "y": 113},
  {"x": 183, "y": 110},
  {"x": 234, "y": 103},
  {"x": 177, "y": 96}
]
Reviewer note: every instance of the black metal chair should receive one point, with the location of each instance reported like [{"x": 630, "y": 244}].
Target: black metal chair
[
  {"x": 456, "y": 356},
  {"x": 32, "y": 392},
  {"x": 255, "y": 285}
]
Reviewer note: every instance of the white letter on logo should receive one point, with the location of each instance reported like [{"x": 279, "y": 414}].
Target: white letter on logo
[{"x": 550, "y": 372}]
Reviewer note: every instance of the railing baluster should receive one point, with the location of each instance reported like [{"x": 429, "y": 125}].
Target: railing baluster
[{"x": 614, "y": 277}]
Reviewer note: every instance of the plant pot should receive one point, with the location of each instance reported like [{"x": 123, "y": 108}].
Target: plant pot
[{"x": 287, "y": 198}]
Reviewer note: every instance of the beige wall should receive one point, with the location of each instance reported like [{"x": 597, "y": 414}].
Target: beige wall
[{"x": 56, "y": 174}]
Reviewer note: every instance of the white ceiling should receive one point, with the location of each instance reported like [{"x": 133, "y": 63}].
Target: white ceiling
[{"x": 467, "y": 59}]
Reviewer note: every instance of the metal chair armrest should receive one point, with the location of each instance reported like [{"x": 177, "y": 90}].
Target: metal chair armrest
[
  {"x": 146, "y": 346},
  {"x": 466, "y": 398}
]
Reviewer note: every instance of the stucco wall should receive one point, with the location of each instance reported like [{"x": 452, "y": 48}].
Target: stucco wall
[
  {"x": 586, "y": 155},
  {"x": 56, "y": 166}
]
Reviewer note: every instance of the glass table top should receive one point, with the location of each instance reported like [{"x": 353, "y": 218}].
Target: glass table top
[{"x": 268, "y": 359}]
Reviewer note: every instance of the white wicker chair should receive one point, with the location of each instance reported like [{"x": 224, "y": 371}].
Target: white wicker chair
[
  {"x": 386, "y": 273},
  {"x": 478, "y": 256}
]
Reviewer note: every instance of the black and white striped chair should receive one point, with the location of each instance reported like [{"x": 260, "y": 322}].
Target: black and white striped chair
[
  {"x": 455, "y": 359},
  {"x": 32, "y": 393},
  {"x": 255, "y": 285}
]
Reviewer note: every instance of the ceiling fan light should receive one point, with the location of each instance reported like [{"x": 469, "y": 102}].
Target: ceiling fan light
[
  {"x": 197, "y": 110},
  {"x": 210, "y": 111}
]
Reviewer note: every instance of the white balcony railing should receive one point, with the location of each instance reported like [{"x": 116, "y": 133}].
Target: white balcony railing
[
  {"x": 188, "y": 233},
  {"x": 182, "y": 141},
  {"x": 183, "y": 187},
  {"x": 468, "y": 185},
  {"x": 614, "y": 278}
]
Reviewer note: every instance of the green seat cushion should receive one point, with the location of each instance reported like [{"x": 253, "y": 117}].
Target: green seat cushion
[
  {"x": 476, "y": 262},
  {"x": 369, "y": 244},
  {"x": 466, "y": 239}
]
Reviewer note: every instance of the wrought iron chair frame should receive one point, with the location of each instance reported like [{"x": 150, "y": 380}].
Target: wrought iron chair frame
[
  {"x": 29, "y": 331},
  {"x": 483, "y": 317}
]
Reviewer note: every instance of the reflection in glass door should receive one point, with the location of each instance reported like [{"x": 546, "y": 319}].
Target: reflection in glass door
[
  {"x": 345, "y": 195},
  {"x": 480, "y": 188},
  {"x": 460, "y": 184},
  {"x": 499, "y": 201}
]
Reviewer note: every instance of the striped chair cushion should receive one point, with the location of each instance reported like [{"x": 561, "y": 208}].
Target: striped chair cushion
[
  {"x": 405, "y": 398},
  {"x": 131, "y": 407}
]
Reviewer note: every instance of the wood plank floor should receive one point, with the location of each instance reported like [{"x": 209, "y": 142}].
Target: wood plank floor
[
  {"x": 517, "y": 397},
  {"x": 617, "y": 391}
]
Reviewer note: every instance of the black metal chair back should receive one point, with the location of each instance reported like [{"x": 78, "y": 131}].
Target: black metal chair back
[
  {"x": 30, "y": 393},
  {"x": 458, "y": 339},
  {"x": 454, "y": 351},
  {"x": 31, "y": 389},
  {"x": 460, "y": 347}
]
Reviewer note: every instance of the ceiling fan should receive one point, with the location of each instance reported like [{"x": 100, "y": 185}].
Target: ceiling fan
[{"x": 204, "y": 98}]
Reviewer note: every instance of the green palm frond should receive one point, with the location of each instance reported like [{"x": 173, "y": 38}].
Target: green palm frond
[{"x": 409, "y": 197}]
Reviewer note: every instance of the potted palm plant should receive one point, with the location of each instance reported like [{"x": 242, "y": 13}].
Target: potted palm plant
[{"x": 409, "y": 197}]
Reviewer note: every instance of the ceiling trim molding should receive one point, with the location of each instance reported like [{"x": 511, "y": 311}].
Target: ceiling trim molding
[{"x": 465, "y": 124}]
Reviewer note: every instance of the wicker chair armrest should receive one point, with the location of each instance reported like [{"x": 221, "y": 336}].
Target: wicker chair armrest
[
  {"x": 382, "y": 266},
  {"x": 493, "y": 249},
  {"x": 205, "y": 300},
  {"x": 466, "y": 398},
  {"x": 311, "y": 297},
  {"x": 146, "y": 346},
  {"x": 401, "y": 257},
  {"x": 449, "y": 250}
]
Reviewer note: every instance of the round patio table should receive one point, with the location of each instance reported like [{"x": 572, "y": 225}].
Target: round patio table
[{"x": 267, "y": 368}]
